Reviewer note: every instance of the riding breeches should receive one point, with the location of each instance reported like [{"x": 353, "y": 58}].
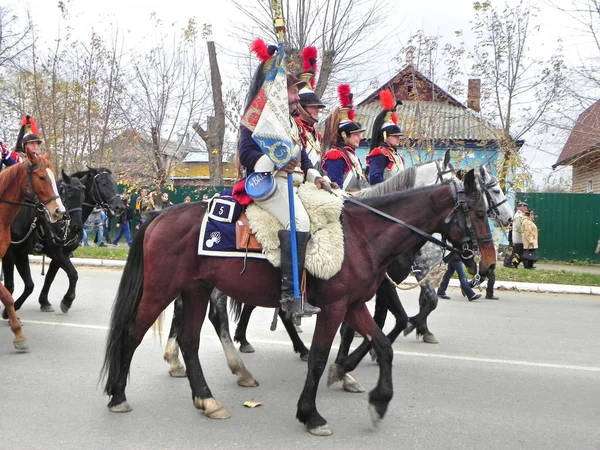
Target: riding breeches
[{"x": 278, "y": 206}]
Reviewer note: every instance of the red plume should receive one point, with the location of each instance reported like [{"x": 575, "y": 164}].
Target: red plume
[
  {"x": 34, "y": 128},
  {"x": 309, "y": 62},
  {"x": 387, "y": 100},
  {"x": 345, "y": 95},
  {"x": 395, "y": 118},
  {"x": 260, "y": 49},
  {"x": 351, "y": 115},
  {"x": 25, "y": 120}
]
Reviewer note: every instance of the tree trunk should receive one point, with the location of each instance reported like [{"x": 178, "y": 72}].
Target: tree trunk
[{"x": 216, "y": 124}]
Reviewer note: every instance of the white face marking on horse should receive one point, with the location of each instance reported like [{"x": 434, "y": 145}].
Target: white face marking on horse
[{"x": 55, "y": 189}]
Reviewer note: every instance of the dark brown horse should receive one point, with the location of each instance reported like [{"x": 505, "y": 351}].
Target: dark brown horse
[
  {"x": 160, "y": 267},
  {"x": 36, "y": 176}
]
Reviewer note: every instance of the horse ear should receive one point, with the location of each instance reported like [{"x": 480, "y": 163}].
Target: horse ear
[
  {"x": 66, "y": 178},
  {"x": 447, "y": 158},
  {"x": 469, "y": 182}
]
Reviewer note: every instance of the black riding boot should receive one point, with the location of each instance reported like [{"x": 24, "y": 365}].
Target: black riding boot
[{"x": 288, "y": 303}]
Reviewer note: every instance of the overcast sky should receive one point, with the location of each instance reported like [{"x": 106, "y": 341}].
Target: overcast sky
[{"x": 441, "y": 17}]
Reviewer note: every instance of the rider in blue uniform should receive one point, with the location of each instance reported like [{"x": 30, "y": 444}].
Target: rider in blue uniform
[
  {"x": 343, "y": 136},
  {"x": 383, "y": 160}
]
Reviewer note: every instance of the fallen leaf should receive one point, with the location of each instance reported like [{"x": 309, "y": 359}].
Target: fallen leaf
[{"x": 252, "y": 404}]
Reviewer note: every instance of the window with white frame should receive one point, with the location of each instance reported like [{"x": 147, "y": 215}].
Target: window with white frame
[{"x": 590, "y": 186}]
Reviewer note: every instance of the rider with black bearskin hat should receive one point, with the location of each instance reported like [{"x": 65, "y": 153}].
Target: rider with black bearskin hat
[
  {"x": 383, "y": 160},
  {"x": 343, "y": 136}
]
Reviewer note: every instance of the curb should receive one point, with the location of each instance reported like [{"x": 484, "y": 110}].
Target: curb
[{"x": 500, "y": 285}]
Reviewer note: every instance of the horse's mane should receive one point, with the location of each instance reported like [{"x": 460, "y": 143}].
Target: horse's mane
[
  {"x": 402, "y": 181},
  {"x": 82, "y": 173},
  {"x": 9, "y": 175}
]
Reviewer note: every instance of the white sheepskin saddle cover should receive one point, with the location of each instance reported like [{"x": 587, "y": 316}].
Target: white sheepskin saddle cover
[{"x": 325, "y": 251}]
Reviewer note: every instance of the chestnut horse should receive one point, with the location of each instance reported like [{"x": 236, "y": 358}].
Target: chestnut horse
[
  {"x": 159, "y": 268},
  {"x": 35, "y": 176}
]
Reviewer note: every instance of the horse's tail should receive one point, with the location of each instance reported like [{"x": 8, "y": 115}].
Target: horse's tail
[
  {"x": 124, "y": 311},
  {"x": 236, "y": 309}
]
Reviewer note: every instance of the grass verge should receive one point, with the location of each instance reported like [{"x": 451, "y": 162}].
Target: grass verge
[{"x": 502, "y": 274}]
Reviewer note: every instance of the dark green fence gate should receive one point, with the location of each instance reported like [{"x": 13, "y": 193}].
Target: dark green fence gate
[{"x": 568, "y": 225}]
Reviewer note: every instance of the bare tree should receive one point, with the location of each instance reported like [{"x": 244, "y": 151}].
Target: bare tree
[
  {"x": 518, "y": 87},
  {"x": 15, "y": 37},
  {"x": 342, "y": 30},
  {"x": 164, "y": 92},
  {"x": 214, "y": 134}
]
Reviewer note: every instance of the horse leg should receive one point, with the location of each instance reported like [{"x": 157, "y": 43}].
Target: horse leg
[
  {"x": 427, "y": 303},
  {"x": 336, "y": 373},
  {"x": 171, "y": 354},
  {"x": 45, "y": 304},
  {"x": 387, "y": 295},
  {"x": 379, "y": 398},
  {"x": 299, "y": 346},
  {"x": 20, "y": 341},
  {"x": 195, "y": 301},
  {"x": 24, "y": 269},
  {"x": 240, "y": 330},
  {"x": 217, "y": 314},
  {"x": 328, "y": 321},
  {"x": 65, "y": 264},
  {"x": 8, "y": 270}
]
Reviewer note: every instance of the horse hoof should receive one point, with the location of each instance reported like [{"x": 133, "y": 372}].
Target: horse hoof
[
  {"x": 322, "y": 430},
  {"x": 350, "y": 384},
  {"x": 304, "y": 357},
  {"x": 336, "y": 373},
  {"x": 212, "y": 408},
  {"x": 177, "y": 372},
  {"x": 48, "y": 308},
  {"x": 430, "y": 339},
  {"x": 375, "y": 417},
  {"x": 64, "y": 307},
  {"x": 246, "y": 348},
  {"x": 21, "y": 345},
  {"x": 409, "y": 329},
  {"x": 247, "y": 382},
  {"x": 120, "y": 408},
  {"x": 373, "y": 354}
]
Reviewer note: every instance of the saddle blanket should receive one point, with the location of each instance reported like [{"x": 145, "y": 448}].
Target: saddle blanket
[{"x": 325, "y": 251}]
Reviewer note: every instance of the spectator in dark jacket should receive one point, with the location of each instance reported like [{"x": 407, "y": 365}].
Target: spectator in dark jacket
[{"x": 124, "y": 223}]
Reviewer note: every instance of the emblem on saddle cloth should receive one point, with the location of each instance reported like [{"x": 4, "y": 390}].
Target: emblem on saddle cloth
[{"x": 325, "y": 251}]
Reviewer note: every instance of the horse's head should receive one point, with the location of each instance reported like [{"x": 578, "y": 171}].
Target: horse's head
[
  {"x": 72, "y": 192},
  {"x": 42, "y": 184},
  {"x": 498, "y": 207},
  {"x": 434, "y": 172},
  {"x": 468, "y": 228},
  {"x": 102, "y": 190}
]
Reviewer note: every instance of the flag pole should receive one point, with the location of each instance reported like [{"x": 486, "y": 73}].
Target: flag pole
[{"x": 279, "y": 25}]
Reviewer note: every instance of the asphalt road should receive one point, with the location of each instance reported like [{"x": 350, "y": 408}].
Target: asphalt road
[{"x": 521, "y": 372}]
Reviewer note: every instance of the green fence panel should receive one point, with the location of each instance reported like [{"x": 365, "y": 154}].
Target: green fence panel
[{"x": 568, "y": 225}]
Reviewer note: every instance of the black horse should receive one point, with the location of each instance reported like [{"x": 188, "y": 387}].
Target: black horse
[{"x": 82, "y": 192}]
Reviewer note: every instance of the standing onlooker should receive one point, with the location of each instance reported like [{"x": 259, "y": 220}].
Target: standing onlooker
[
  {"x": 187, "y": 199},
  {"x": 530, "y": 238},
  {"x": 456, "y": 265},
  {"x": 517, "y": 237},
  {"x": 165, "y": 201},
  {"x": 124, "y": 223},
  {"x": 94, "y": 222},
  {"x": 143, "y": 206}
]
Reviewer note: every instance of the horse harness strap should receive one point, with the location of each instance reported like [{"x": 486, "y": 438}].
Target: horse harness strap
[
  {"x": 492, "y": 205},
  {"x": 414, "y": 229},
  {"x": 30, "y": 169},
  {"x": 95, "y": 190}
]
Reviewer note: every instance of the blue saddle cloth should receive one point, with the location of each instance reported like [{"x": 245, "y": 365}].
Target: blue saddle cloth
[{"x": 217, "y": 233}]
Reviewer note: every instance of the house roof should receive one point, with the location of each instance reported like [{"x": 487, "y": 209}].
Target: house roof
[
  {"x": 433, "y": 120},
  {"x": 584, "y": 136},
  {"x": 427, "y": 111}
]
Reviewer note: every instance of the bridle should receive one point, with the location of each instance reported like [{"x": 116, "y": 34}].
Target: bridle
[
  {"x": 95, "y": 193},
  {"x": 493, "y": 207},
  {"x": 441, "y": 172},
  {"x": 30, "y": 193}
]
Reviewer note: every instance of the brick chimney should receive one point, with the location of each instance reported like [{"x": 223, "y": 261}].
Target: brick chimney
[{"x": 474, "y": 94}]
